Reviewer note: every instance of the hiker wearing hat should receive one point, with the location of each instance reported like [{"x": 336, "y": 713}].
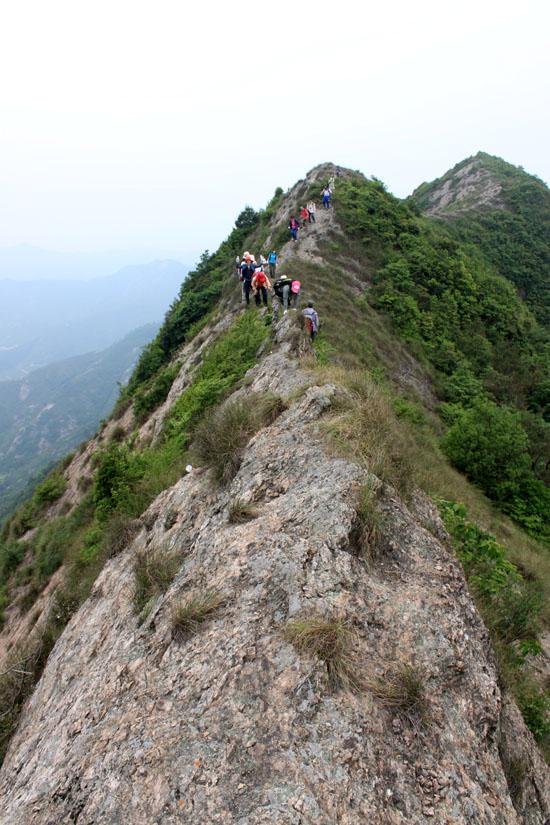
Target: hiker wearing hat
[
  {"x": 248, "y": 268},
  {"x": 260, "y": 285},
  {"x": 281, "y": 288},
  {"x": 294, "y": 226},
  {"x": 311, "y": 208},
  {"x": 272, "y": 261},
  {"x": 295, "y": 288},
  {"x": 311, "y": 321}
]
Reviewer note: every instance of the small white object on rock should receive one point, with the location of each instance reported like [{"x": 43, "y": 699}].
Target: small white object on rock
[{"x": 189, "y": 468}]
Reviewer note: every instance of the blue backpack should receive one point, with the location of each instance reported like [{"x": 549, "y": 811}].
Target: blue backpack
[{"x": 272, "y": 258}]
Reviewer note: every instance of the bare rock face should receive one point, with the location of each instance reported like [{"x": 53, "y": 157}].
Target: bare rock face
[
  {"x": 131, "y": 723},
  {"x": 471, "y": 187}
]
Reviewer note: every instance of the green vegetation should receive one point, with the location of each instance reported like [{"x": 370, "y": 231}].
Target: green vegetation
[
  {"x": 468, "y": 324},
  {"x": 148, "y": 398},
  {"x": 224, "y": 364},
  {"x": 511, "y": 607},
  {"x": 512, "y": 236},
  {"x": 332, "y": 640},
  {"x": 188, "y": 616}
]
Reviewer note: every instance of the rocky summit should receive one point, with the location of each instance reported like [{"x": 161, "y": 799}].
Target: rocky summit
[{"x": 259, "y": 611}]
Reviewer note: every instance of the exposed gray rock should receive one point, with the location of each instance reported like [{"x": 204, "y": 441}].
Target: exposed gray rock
[{"x": 232, "y": 724}]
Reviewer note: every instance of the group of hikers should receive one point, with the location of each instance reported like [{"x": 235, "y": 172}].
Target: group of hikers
[
  {"x": 307, "y": 213},
  {"x": 285, "y": 291}
]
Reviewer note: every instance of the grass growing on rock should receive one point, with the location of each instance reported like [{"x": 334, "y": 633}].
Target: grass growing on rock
[
  {"x": 241, "y": 511},
  {"x": 333, "y": 641},
  {"x": 189, "y": 615},
  {"x": 403, "y": 690},
  {"x": 222, "y": 435},
  {"x": 154, "y": 572}
]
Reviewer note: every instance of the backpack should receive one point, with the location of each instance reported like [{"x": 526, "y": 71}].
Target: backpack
[
  {"x": 272, "y": 257},
  {"x": 295, "y": 287}
]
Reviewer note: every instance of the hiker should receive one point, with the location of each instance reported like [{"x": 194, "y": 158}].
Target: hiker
[
  {"x": 326, "y": 197},
  {"x": 311, "y": 208},
  {"x": 281, "y": 288},
  {"x": 272, "y": 261},
  {"x": 260, "y": 285},
  {"x": 295, "y": 288},
  {"x": 248, "y": 267},
  {"x": 263, "y": 262},
  {"x": 331, "y": 182},
  {"x": 294, "y": 226},
  {"x": 237, "y": 266},
  {"x": 311, "y": 321},
  {"x": 304, "y": 214}
]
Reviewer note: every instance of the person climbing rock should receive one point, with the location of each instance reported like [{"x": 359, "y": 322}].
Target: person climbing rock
[
  {"x": 331, "y": 182},
  {"x": 260, "y": 285},
  {"x": 304, "y": 214},
  {"x": 272, "y": 261},
  {"x": 326, "y": 197},
  {"x": 311, "y": 321},
  {"x": 294, "y": 226},
  {"x": 311, "y": 208},
  {"x": 263, "y": 262},
  {"x": 295, "y": 288},
  {"x": 248, "y": 267},
  {"x": 281, "y": 288},
  {"x": 237, "y": 266}
]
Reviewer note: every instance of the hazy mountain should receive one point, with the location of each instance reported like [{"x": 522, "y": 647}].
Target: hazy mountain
[
  {"x": 25, "y": 262},
  {"x": 46, "y": 321},
  {"x": 54, "y": 408}
]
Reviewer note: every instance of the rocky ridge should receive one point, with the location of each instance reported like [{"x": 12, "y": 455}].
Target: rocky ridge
[{"x": 232, "y": 724}]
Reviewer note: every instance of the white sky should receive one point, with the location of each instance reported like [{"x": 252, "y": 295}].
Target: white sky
[{"x": 149, "y": 125}]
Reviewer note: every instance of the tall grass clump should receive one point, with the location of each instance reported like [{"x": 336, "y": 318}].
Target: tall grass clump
[
  {"x": 403, "y": 690},
  {"x": 154, "y": 572},
  {"x": 333, "y": 641},
  {"x": 189, "y": 615},
  {"x": 223, "y": 434}
]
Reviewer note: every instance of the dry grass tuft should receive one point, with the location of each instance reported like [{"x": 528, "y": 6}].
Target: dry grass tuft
[
  {"x": 241, "y": 511},
  {"x": 153, "y": 574},
  {"x": 190, "y": 614},
  {"x": 331, "y": 640},
  {"x": 403, "y": 690}
]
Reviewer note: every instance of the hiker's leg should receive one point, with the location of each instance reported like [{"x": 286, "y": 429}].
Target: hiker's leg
[
  {"x": 286, "y": 290},
  {"x": 257, "y": 298},
  {"x": 264, "y": 295}
]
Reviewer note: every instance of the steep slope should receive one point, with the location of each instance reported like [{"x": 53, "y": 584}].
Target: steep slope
[
  {"x": 284, "y": 633},
  {"x": 48, "y": 413},
  {"x": 505, "y": 213}
]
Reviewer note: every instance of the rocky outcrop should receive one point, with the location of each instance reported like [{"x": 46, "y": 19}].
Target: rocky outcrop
[
  {"x": 231, "y": 724},
  {"x": 471, "y": 186}
]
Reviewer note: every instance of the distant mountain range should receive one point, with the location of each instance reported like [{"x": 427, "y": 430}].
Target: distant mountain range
[
  {"x": 24, "y": 262},
  {"x": 46, "y": 321},
  {"x": 51, "y": 410}
]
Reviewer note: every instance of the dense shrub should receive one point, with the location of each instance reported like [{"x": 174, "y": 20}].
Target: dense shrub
[
  {"x": 147, "y": 399},
  {"x": 510, "y": 606}
]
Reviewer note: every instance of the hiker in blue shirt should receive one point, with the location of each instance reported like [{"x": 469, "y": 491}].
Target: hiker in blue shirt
[{"x": 272, "y": 261}]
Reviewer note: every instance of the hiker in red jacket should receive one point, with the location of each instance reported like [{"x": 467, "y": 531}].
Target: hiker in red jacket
[
  {"x": 304, "y": 214},
  {"x": 260, "y": 285}
]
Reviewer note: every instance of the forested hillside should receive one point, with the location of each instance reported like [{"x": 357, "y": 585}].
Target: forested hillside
[{"x": 503, "y": 214}]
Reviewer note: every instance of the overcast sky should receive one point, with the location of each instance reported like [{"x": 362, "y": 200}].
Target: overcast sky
[{"x": 147, "y": 126}]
